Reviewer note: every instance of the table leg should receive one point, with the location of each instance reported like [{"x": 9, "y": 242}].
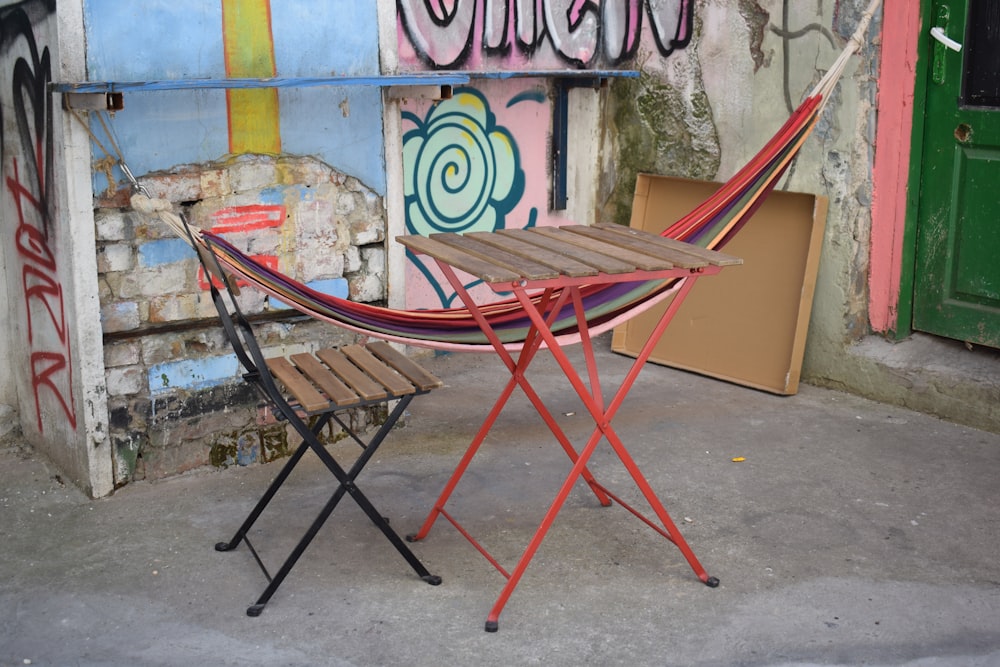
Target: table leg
[{"x": 602, "y": 418}]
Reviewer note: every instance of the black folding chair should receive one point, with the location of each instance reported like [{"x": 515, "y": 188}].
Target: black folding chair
[{"x": 317, "y": 388}]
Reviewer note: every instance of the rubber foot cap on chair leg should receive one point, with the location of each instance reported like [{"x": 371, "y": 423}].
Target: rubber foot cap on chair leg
[
  {"x": 222, "y": 546},
  {"x": 254, "y": 610},
  {"x": 492, "y": 626},
  {"x": 432, "y": 579},
  {"x": 412, "y": 537},
  {"x": 712, "y": 582}
]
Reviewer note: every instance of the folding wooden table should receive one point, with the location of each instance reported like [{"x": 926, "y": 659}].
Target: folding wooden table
[{"x": 554, "y": 264}]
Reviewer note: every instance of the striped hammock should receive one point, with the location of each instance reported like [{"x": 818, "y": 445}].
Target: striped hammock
[{"x": 710, "y": 225}]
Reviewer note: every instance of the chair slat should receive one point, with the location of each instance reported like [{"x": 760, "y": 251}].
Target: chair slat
[
  {"x": 395, "y": 383},
  {"x": 297, "y": 385},
  {"x": 330, "y": 384},
  {"x": 414, "y": 372},
  {"x": 369, "y": 389}
]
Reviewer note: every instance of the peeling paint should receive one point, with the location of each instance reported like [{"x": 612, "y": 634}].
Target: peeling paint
[{"x": 757, "y": 19}]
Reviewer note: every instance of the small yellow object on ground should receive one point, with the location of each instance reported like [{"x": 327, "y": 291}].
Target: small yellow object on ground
[{"x": 739, "y": 459}]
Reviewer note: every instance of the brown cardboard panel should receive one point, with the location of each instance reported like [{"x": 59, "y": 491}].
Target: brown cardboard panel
[{"x": 748, "y": 324}]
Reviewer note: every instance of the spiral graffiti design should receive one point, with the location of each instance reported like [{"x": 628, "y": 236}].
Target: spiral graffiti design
[{"x": 462, "y": 171}]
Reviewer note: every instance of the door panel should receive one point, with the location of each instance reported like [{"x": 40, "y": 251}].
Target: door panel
[{"x": 957, "y": 284}]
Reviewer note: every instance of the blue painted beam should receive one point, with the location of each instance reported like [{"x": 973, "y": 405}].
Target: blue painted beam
[
  {"x": 430, "y": 78},
  {"x": 411, "y": 79}
]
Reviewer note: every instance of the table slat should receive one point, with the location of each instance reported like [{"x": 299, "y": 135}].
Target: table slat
[
  {"x": 637, "y": 260},
  {"x": 713, "y": 257},
  {"x": 635, "y": 244},
  {"x": 525, "y": 268},
  {"x": 459, "y": 259},
  {"x": 552, "y": 239},
  {"x": 565, "y": 264}
]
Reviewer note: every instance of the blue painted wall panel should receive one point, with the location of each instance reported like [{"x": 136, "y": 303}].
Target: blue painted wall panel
[
  {"x": 157, "y": 39},
  {"x": 192, "y": 374},
  {"x": 164, "y": 251}
]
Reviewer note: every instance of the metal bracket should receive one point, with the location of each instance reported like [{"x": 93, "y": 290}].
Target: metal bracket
[
  {"x": 94, "y": 101},
  {"x": 436, "y": 93}
]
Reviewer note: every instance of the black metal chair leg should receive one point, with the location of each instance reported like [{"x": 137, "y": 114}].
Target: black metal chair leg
[
  {"x": 272, "y": 489},
  {"x": 346, "y": 484}
]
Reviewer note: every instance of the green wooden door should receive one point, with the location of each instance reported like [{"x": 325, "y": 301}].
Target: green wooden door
[{"x": 957, "y": 272}]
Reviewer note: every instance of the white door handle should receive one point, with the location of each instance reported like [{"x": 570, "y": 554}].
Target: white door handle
[{"x": 937, "y": 33}]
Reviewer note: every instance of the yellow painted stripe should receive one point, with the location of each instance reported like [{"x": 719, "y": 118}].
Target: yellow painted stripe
[{"x": 254, "y": 125}]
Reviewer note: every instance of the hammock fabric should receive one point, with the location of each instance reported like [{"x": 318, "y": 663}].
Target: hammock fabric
[{"x": 710, "y": 225}]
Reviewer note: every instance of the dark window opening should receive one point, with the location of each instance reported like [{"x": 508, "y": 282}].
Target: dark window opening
[{"x": 982, "y": 55}]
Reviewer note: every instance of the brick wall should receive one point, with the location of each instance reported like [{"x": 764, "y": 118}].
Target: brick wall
[{"x": 176, "y": 397}]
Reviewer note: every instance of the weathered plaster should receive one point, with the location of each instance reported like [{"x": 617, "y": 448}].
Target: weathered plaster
[
  {"x": 176, "y": 397},
  {"x": 661, "y": 123}
]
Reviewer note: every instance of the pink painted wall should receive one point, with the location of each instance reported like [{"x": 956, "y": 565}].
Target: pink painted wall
[
  {"x": 481, "y": 160},
  {"x": 900, "y": 31}
]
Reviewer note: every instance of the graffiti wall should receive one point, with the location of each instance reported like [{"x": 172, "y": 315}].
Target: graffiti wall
[
  {"x": 539, "y": 34},
  {"x": 36, "y": 271},
  {"x": 482, "y": 160}
]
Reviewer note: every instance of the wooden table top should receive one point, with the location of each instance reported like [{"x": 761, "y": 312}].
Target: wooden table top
[{"x": 571, "y": 251}]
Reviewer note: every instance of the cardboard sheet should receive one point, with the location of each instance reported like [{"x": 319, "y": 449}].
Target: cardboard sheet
[{"x": 748, "y": 324}]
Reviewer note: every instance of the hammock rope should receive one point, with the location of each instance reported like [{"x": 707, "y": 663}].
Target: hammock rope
[{"x": 711, "y": 225}]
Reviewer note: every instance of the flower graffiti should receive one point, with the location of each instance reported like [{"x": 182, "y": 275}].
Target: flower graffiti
[
  {"x": 462, "y": 170},
  {"x": 463, "y": 173}
]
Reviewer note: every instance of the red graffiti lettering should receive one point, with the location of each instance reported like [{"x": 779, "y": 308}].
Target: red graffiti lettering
[
  {"x": 31, "y": 148},
  {"x": 51, "y": 369}
]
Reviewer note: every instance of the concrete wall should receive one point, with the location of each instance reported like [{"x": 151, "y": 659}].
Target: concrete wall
[
  {"x": 50, "y": 271},
  {"x": 714, "y": 104},
  {"x": 316, "y": 180}
]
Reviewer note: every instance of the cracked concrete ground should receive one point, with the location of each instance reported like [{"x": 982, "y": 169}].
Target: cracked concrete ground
[{"x": 853, "y": 533}]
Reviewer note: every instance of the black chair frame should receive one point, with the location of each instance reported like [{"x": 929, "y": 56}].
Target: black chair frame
[{"x": 240, "y": 334}]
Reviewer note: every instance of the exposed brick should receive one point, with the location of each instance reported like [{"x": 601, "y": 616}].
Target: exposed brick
[
  {"x": 346, "y": 203},
  {"x": 329, "y": 215},
  {"x": 111, "y": 225},
  {"x": 182, "y": 185},
  {"x": 120, "y": 317},
  {"x": 366, "y": 287},
  {"x": 125, "y": 380},
  {"x": 172, "y": 308},
  {"x": 352, "y": 260},
  {"x": 252, "y": 173},
  {"x": 116, "y": 257},
  {"x": 122, "y": 354},
  {"x": 215, "y": 183},
  {"x": 367, "y": 230}
]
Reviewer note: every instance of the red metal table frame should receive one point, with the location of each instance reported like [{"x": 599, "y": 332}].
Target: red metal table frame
[{"x": 547, "y": 263}]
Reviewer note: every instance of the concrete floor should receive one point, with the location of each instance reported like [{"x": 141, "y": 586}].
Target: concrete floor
[{"x": 852, "y": 534}]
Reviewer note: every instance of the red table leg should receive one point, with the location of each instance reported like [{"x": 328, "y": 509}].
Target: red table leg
[{"x": 542, "y": 315}]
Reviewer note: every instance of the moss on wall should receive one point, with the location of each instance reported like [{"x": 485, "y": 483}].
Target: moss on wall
[{"x": 658, "y": 128}]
